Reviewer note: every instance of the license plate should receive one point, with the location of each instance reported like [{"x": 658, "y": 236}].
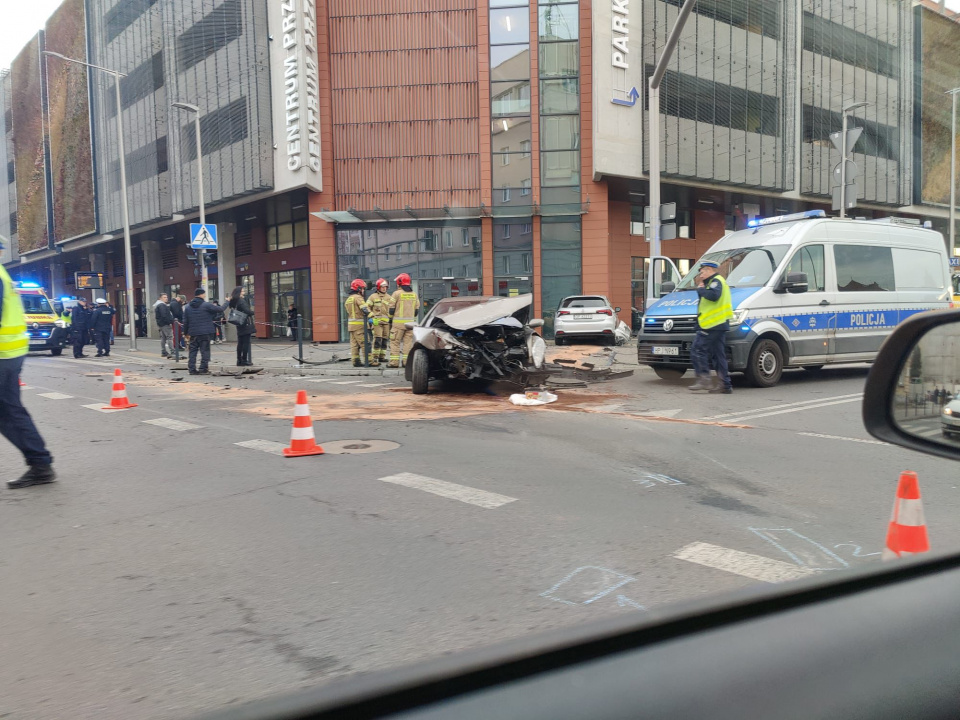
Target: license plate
[
  {"x": 665, "y": 350},
  {"x": 581, "y": 317}
]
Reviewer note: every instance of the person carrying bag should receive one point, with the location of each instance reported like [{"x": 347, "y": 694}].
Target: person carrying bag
[{"x": 242, "y": 316}]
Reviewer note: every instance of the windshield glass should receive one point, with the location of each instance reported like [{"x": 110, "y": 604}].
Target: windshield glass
[
  {"x": 584, "y": 302},
  {"x": 742, "y": 267},
  {"x": 35, "y": 304}
]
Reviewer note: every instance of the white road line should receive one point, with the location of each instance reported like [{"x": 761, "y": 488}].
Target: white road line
[
  {"x": 268, "y": 446},
  {"x": 55, "y": 396},
  {"x": 347, "y": 382},
  {"x": 26, "y": 387},
  {"x": 930, "y": 433},
  {"x": 318, "y": 380},
  {"x": 172, "y": 424},
  {"x": 784, "y": 405},
  {"x": 99, "y": 408},
  {"x": 840, "y": 437},
  {"x": 755, "y": 567},
  {"x": 661, "y": 413},
  {"x": 470, "y": 495},
  {"x": 757, "y": 416},
  {"x": 372, "y": 384}
]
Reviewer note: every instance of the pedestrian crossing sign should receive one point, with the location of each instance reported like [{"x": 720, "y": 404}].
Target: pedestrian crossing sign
[{"x": 203, "y": 237}]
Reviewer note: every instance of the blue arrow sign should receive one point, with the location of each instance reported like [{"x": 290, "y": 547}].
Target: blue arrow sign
[
  {"x": 633, "y": 95},
  {"x": 203, "y": 237}
]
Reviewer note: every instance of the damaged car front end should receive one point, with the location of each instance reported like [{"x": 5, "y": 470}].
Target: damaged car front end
[{"x": 478, "y": 338}]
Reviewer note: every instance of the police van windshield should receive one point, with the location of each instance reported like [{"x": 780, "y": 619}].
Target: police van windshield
[
  {"x": 35, "y": 304},
  {"x": 742, "y": 267}
]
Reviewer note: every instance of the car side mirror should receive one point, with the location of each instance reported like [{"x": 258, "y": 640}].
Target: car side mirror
[
  {"x": 616, "y": 309},
  {"x": 794, "y": 283},
  {"x": 910, "y": 398},
  {"x": 535, "y": 323},
  {"x": 667, "y": 287}
]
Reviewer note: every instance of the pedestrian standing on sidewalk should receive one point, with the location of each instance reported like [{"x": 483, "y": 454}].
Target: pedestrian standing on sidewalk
[
  {"x": 176, "y": 309},
  {"x": 357, "y": 312},
  {"x": 102, "y": 323},
  {"x": 245, "y": 331},
  {"x": 198, "y": 326},
  {"x": 713, "y": 321},
  {"x": 16, "y": 425},
  {"x": 292, "y": 322},
  {"x": 161, "y": 311},
  {"x": 379, "y": 304},
  {"x": 218, "y": 323},
  {"x": 79, "y": 327},
  {"x": 404, "y": 306}
]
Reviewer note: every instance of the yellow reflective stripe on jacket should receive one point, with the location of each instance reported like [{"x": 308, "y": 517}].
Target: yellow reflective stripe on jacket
[
  {"x": 406, "y": 306},
  {"x": 13, "y": 327},
  {"x": 354, "y": 306},
  {"x": 711, "y": 313},
  {"x": 379, "y": 306}
]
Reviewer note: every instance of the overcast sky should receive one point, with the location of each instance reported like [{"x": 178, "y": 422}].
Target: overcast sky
[{"x": 22, "y": 21}]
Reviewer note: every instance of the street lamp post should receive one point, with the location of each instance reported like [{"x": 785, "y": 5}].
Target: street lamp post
[
  {"x": 953, "y": 171},
  {"x": 843, "y": 155},
  {"x": 203, "y": 216},
  {"x": 127, "y": 251}
]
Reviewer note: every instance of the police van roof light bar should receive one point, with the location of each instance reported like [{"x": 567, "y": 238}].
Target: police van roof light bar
[{"x": 806, "y": 215}]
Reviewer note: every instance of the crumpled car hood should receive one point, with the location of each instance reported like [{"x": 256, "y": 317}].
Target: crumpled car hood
[{"x": 479, "y": 315}]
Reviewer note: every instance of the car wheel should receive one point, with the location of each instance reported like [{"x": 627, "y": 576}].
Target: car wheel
[
  {"x": 420, "y": 372},
  {"x": 669, "y": 374},
  {"x": 765, "y": 365},
  {"x": 56, "y": 351},
  {"x": 558, "y": 341}
]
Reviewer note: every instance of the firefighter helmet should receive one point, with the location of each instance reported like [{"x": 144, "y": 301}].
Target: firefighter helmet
[
  {"x": 403, "y": 279},
  {"x": 358, "y": 284},
  {"x": 382, "y": 281}
]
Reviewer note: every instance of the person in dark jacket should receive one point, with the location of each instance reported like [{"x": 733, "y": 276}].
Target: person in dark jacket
[
  {"x": 176, "y": 309},
  {"x": 198, "y": 326},
  {"x": 79, "y": 327},
  {"x": 164, "y": 318},
  {"x": 102, "y": 324},
  {"x": 292, "y": 322},
  {"x": 245, "y": 332}
]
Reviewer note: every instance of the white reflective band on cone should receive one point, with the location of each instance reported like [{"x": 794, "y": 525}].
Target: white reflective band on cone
[
  {"x": 909, "y": 513},
  {"x": 301, "y": 411},
  {"x": 302, "y": 433},
  {"x": 118, "y": 393}
]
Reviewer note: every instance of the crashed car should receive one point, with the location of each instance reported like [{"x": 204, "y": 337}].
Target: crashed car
[{"x": 477, "y": 338}]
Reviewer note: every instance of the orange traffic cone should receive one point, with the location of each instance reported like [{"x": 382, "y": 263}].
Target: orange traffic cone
[
  {"x": 907, "y": 533},
  {"x": 119, "y": 400},
  {"x": 22, "y": 383},
  {"x": 302, "y": 439}
]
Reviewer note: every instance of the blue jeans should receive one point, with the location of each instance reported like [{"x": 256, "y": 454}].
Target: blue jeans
[
  {"x": 16, "y": 425},
  {"x": 709, "y": 348}
]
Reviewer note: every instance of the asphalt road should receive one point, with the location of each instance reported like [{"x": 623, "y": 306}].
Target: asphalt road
[{"x": 172, "y": 571}]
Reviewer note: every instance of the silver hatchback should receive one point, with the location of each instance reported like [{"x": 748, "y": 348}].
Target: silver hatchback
[
  {"x": 585, "y": 316},
  {"x": 950, "y": 419}
]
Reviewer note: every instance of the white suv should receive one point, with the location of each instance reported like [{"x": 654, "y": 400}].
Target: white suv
[{"x": 585, "y": 316}]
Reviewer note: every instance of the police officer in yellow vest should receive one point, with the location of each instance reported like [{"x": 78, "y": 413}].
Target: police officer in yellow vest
[
  {"x": 713, "y": 320},
  {"x": 357, "y": 312},
  {"x": 16, "y": 425},
  {"x": 404, "y": 307},
  {"x": 379, "y": 304}
]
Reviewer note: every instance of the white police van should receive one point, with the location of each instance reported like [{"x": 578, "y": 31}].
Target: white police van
[{"x": 807, "y": 291}]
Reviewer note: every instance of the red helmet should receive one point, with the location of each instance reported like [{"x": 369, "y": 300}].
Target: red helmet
[
  {"x": 382, "y": 281},
  {"x": 403, "y": 279},
  {"x": 358, "y": 284}
]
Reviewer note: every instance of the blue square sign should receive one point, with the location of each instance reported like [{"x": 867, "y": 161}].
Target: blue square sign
[{"x": 203, "y": 237}]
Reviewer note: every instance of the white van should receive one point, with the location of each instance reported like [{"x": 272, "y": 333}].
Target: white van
[{"x": 807, "y": 291}]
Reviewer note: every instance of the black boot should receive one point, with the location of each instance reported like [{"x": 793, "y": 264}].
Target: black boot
[{"x": 36, "y": 475}]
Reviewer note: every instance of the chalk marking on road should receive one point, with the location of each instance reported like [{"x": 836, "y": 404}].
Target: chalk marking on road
[
  {"x": 841, "y": 437},
  {"x": 756, "y": 416},
  {"x": 55, "y": 396},
  {"x": 593, "y": 583},
  {"x": 755, "y": 567},
  {"x": 267, "y": 446},
  {"x": 624, "y": 601},
  {"x": 318, "y": 380},
  {"x": 172, "y": 424},
  {"x": 662, "y": 413},
  {"x": 856, "y": 550},
  {"x": 803, "y": 551},
  {"x": 100, "y": 408},
  {"x": 346, "y": 382},
  {"x": 650, "y": 480},
  {"x": 784, "y": 405},
  {"x": 473, "y": 496},
  {"x": 372, "y": 385}
]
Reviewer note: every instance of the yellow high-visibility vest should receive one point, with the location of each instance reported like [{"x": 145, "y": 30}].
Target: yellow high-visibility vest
[
  {"x": 406, "y": 304},
  {"x": 13, "y": 327},
  {"x": 354, "y": 306},
  {"x": 711, "y": 313}
]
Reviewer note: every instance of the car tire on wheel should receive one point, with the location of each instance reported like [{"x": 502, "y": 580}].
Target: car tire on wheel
[
  {"x": 420, "y": 371},
  {"x": 56, "y": 351},
  {"x": 669, "y": 374},
  {"x": 765, "y": 366},
  {"x": 558, "y": 341}
]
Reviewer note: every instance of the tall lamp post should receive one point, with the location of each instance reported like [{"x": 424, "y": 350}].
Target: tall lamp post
[
  {"x": 127, "y": 251},
  {"x": 201, "y": 254},
  {"x": 843, "y": 155},
  {"x": 953, "y": 171}
]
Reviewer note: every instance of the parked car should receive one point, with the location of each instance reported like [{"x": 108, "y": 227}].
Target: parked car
[
  {"x": 950, "y": 419},
  {"x": 585, "y": 316}
]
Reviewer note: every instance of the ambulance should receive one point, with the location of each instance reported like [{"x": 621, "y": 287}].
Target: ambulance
[
  {"x": 807, "y": 291},
  {"x": 46, "y": 330}
]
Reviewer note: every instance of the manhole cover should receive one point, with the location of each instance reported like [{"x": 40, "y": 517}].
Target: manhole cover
[{"x": 357, "y": 447}]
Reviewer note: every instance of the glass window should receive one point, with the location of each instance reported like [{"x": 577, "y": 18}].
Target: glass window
[
  {"x": 392, "y": 238},
  {"x": 511, "y": 235},
  {"x": 505, "y": 263},
  {"x": 301, "y": 233},
  {"x": 515, "y": 174},
  {"x": 560, "y": 168},
  {"x": 513, "y": 286},
  {"x": 918, "y": 269},
  {"x": 448, "y": 238},
  {"x": 553, "y": 291},
  {"x": 525, "y": 148},
  {"x": 507, "y": 3},
  {"x": 809, "y": 260},
  {"x": 560, "y": 196},
  {"x": 559, "y": 22},
  {"x": 465, "y": 237},
  {"x": 559, "y": 235},
  {"x": 864, "y": 268},
  {"x": 560, "y": 132},
  {"x": 559, "y": 97},
  {"x": 743, "y": 266},
  {"x": 510, "y": 98},
  {"x": 504, "y": 158},
  {"x": 561, "y": 262},
  {"x": 512, "y": 133},
  {"x": 526, "y": 187},
  {"x": 560, "y": 60},
  {"x": 509, "y": 26},
  {"x": 510, "y": 62},
  {"x": 284, "y": 236}
]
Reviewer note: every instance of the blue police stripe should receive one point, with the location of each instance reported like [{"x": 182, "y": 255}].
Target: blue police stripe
[{"x": 867, "y": 319}]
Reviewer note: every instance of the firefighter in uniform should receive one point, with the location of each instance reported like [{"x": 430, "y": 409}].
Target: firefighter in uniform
[
  {"x": 713, "y": 321},
  {"x": 403, "y": 309},
  {"x": 379, "y": 304},
  {"x": 357, "y": 312}
]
